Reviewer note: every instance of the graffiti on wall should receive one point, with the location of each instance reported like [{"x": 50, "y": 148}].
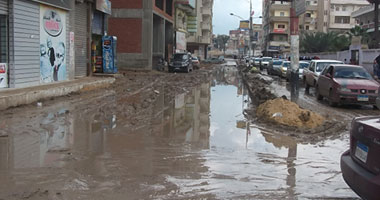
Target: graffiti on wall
[{"x": 52, "y": 44}]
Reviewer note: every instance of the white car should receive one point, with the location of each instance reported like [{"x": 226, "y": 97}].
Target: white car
[{"x": 311, "y": 74}]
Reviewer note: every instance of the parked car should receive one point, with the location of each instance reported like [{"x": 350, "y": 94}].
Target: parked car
[
  {"x": 181, "y": 62},
  {"x": 347, "y": 84},
  {"x": 257, "y": 62},
  {"x": 284, "y": 68},
  {"x": 195, "y": 61},
  {"x": 213, "y": 60},
  {"x": 360, "y": 165},
  {"x": 302, "y": 65},
  {"x": 310, "y": 74},
  {"x": 275, "y": 68},
  {"x": 265, "y": 62}
]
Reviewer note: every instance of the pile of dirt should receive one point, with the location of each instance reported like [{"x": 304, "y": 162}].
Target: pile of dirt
[{"x": 287, "y": 113}]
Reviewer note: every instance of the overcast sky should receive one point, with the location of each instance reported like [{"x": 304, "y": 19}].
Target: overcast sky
[{"x": 223, "y": 22}]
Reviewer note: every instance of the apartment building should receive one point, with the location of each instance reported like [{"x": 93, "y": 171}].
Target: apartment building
[
  {"x": 365, "y": 18},
  {"x": 276, "y": 23},
  {"x": 199, "y": 40},
  {"x": 338, "y": 14}
]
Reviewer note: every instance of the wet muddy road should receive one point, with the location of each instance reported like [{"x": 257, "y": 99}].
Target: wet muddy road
[{"x": 192, "y": 146}]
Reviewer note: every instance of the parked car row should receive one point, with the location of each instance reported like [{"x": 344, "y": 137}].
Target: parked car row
[{"x": 185, "y": 62}]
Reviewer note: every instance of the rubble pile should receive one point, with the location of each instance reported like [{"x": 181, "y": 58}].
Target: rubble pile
[{"x": 285, "y": 112}]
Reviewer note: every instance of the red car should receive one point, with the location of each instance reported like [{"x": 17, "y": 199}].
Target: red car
[
  {"x": 360, "y": 165},
  {"x": 347, "y": 84}
]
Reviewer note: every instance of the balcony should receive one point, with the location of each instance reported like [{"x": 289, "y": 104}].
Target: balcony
[
  {"x": 312, "y": 7},
  {"x": 279, "y": 31},
  {"x": 273, "y": 19},
  {"x": 206, "y": 11},
  {"x": 274, "y": 7},
  {"x": 206, "y": 26},
  {"x": 279, "y": 43},
  {"x": 310, "y": 20}
]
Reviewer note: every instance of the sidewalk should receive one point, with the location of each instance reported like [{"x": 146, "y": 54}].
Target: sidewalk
[{"x": 15, "y": 97}]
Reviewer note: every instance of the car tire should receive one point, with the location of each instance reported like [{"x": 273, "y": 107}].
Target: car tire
[
  {"x": 331, "y": 103},
  {"x": 317, "y": 94}
]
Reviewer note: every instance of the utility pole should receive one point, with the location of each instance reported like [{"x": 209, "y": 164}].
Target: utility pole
[
  {"x": 250, "y": 27},
  {"x": 294, "y": 53},
  {"x": 376, "y": 3}
]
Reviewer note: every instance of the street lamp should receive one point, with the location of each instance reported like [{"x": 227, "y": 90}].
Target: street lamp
[{"x": 232, "y": 14}]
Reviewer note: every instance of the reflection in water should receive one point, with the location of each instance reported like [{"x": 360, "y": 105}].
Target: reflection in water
[{"x": 197, "y": 145}]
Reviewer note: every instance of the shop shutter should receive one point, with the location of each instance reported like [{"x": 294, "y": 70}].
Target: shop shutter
[
  {"x": 81, "y": 43},
  {"x": 3, "y": 7}
]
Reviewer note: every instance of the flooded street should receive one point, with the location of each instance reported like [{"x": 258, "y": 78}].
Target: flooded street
[{"x": 197, "y": 145}]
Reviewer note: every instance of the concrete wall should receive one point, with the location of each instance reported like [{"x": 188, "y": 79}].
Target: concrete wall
[
  {"x": 366, "y": 57},
  {"x": 131, "y": 22}
]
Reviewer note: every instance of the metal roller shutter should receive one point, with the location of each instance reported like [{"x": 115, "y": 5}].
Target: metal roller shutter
[
  {"x": 81, "y": 43},
  {"x": 3, "y": 7}
]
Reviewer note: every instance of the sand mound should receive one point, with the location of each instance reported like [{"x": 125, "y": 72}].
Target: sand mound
[{"x": 287, "y": 113}]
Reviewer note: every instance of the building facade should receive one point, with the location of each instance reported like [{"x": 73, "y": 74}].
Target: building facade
[
  {"x": 39, "y": 38},
  {"x": 198, "y": 41},
  {"x": 337, "y": 14},
  {"x": 276, "y": 23},
  {"x": 365, "y": 18},
  {"x": 145, "y": 32},
  {"x": 184, "y": 11}
]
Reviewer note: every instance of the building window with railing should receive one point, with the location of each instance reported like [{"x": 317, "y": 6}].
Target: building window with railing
[{"x": 342, "y": 19}]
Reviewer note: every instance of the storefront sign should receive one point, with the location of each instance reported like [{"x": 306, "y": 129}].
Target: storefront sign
[
  {"x": 192, "y": 26},
  {"x": 244, "y": 24},
  {"x": 104, "y": 6},
  {"x": 64, "y": 4},
  {"x": 52, "y": 44},
  {"x": 279, "y": 30},
  {"x": 180, "y": 41},
  {"x": 52, "y": 22}
]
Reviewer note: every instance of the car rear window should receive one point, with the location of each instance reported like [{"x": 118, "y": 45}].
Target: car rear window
[
  {"x": 286, "y": 64},
  {"x": 303, "y": 65},
  {"x": 352, "y": 73},
  {"x": 180, "y": 56},
  {"x": 267, "y": 59},
  {"x": 322, "y": 65},
  {"x": 277, "y": 62}
]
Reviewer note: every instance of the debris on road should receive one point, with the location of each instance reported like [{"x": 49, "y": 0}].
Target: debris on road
[{"x": 287, "y": 113}]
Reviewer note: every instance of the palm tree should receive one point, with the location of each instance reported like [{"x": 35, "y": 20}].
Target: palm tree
[
  {"x": 376, "y": 19},
  {"x": 324, "y": 42},
  {"x": 361, "y": 32}
]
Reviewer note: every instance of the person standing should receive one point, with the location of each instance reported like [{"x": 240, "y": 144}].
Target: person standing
[{"x": 376, "y": 66}]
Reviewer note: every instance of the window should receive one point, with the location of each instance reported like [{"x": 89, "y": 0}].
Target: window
[
  {"x": 342, "y": 19},
  {"x": 281, "y": 38},
  {"x": 307, "y": 3},
  {"x": 307, "y": 27},
  {"x": 325, "y": 12},
  {"x": 282, "y": 26},
  {"x": 336, "y": 8},
  {"x": 3, "y": 39},
  {"x": 308, "y": 15},
  {"x": 343, "y": 8},
  {"x": 282, "y": 14},
  {"x": 315, "y": 2},
  {"x": 324, "y": 23},
  {"x": 332, "y": 6},
  {"x": 160, "y": 4}
]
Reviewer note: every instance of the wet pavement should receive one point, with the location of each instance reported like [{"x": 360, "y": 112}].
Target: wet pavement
[{"x": 197, "y": 145}]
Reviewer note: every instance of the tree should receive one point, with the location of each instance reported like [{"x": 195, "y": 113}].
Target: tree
[
  {"x": 376, "y": 36},
  {"x": 221, "y": 41},
  {"x": 360, "y": 32},
  {"x": 324, "y": 42}
]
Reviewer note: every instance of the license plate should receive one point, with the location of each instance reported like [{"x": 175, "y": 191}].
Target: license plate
[
  {"x": 362, "y": 98},
  {"x": 361, "y": 152}
]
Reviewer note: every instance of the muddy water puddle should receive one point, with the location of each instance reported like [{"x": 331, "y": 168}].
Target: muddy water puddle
[{"x": 197, "y": 145}]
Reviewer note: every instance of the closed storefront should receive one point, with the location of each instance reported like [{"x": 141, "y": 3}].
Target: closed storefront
[
  {"x": 81, "y": 39},
  {"x": 33, "y": 41}
]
